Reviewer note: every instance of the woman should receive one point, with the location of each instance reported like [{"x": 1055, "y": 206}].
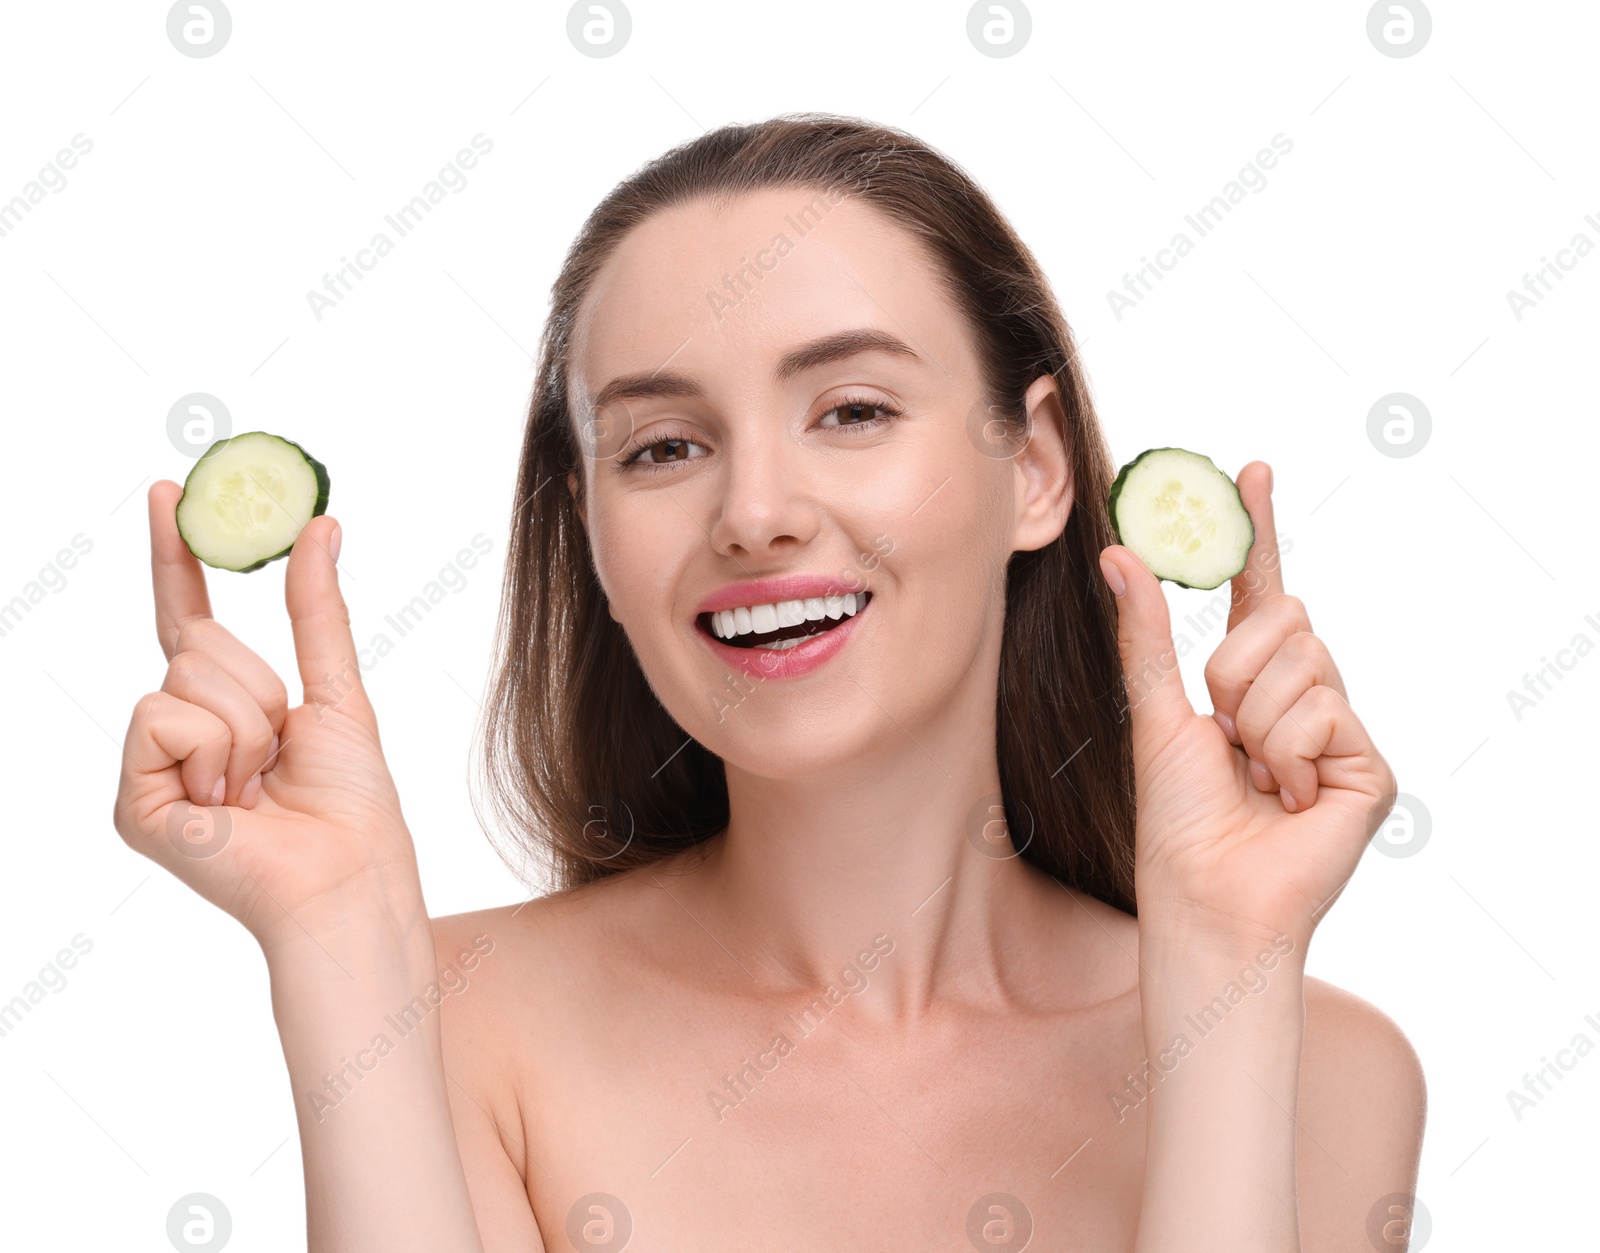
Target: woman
[{"x": 949, "y": 925}]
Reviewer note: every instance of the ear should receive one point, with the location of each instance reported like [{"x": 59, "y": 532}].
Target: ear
[
  {"x": 1043, "y": 469},
  {"x": 574, "y": 486}
]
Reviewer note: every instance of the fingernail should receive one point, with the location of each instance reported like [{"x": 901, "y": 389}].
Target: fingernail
[
  {"x": 1287, "y": 799},
  {"x": 335, "y": 540},
  {"x": 251, "y": 790},
  {"x": 1228, "y": 728},
  {"x": 1260, "y": 775},
  {"x": 1269, "y": 478},
  {"x": 218, "y": 789},
  {"x": 1114, "y": 577}
]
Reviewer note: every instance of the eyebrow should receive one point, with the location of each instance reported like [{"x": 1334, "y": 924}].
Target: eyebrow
[{"x": 807, "y": 356}]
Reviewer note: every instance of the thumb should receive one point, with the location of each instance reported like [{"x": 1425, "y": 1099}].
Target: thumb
[
  {"x": 1156, "y": 700},
  {"x": 323, "y": 645}
]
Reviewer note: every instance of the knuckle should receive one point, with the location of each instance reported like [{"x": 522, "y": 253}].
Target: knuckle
[
  {"x": 259, "y": 739},
  {"x": 193, "y": 634},
  {"x": 1252, "y": 726},
  {"x": 148, "y": 706},
  {"x": 1327, "y": 698},
  {"x": 186, "y": 667},
  {"x": 276, "y": 702},
  {"x": 1304, "y": 646},
  {"x": 1294, "y": 609}
]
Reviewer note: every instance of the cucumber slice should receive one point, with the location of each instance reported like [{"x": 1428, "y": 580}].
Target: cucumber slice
[
  {"x": 1182, "y": 517},
  {"x": 247, "y": 498}
]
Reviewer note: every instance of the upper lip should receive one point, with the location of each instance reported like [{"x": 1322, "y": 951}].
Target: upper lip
[{"x": 770, "y": 591}]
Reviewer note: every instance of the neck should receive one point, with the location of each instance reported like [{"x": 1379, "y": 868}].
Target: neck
[{"x": 888, "y": 855}]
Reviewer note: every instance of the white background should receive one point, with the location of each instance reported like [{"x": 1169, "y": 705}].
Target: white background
[{"x": 1377, "y": 259}]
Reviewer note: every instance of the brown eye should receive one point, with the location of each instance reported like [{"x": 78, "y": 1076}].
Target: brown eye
[
  {"x": 860, "y": 412},
  {"x": 671, "y": 450},
  {"x": 660, "y": 453}
]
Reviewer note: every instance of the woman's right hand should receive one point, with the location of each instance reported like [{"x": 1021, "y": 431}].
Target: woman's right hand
[{"x": 306, "y": 836}]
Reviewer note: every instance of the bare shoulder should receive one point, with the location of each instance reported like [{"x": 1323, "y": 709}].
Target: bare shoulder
[
  {"x": 504, "y": 997},
  {"x": 512, "y": 970},
  {"x": 1362, "y": 1111}
]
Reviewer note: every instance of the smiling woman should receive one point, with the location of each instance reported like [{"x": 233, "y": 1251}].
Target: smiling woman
[
  {"x": 895, "y": 348},
  {"x": 813, "y": 638}
]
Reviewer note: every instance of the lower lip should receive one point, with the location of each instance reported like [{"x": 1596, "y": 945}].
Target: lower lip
[{"x": 789, "y": 663}]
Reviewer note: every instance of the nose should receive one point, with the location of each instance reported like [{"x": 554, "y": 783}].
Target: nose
[{"x": 766, "y": 505}]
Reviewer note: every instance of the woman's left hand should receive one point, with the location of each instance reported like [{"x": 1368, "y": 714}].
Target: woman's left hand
[{"x": 1252, "y": 818}]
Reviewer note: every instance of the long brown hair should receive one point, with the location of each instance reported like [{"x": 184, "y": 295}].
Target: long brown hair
[{"x": 585, "y": 766}]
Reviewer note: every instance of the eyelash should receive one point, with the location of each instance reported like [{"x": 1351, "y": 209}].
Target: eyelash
[{"x": 887, "y": 413}]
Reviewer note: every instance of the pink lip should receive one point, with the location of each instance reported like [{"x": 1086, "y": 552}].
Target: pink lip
[
  {"x": 791, "y": 663},
  {"x": 771, "y": 591}
]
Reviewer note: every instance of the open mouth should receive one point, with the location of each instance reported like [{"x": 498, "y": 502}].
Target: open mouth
[{"x": 784, "y": 624}]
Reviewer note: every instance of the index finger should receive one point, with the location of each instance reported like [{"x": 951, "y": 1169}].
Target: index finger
[
  {"x": 179, "y": 580},
  {"x": 1262, "y": 575}
]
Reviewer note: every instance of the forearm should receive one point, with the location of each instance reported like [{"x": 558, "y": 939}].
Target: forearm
[
  {"x": 362, "y": 1043},
  {"x": 1223, "y": 1025}
]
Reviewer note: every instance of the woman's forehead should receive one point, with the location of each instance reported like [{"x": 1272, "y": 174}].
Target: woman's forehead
[{"x": 743, "y": 282}]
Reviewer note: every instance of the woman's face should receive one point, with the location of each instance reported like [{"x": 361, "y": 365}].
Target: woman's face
[{"x": 778, "y": 402}]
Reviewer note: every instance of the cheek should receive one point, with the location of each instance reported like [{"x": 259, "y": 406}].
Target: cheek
[{"x": 640, "y": 546}]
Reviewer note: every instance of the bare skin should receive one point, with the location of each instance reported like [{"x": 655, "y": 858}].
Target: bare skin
[
  {"x": 985, "y": 1044},
  {"x": 888, "y": 1128}
]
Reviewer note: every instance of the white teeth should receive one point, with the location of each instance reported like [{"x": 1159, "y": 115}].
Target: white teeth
[
  {"x": 791, "y": 612},
  {"x": 758, "y": 619}
]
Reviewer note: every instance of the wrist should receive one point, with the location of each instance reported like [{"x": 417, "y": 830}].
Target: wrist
[
  {"x": 367, "y": 952},
  {"x": 1194, "y": 935},
  {"x": 1191, "y": 976}
]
